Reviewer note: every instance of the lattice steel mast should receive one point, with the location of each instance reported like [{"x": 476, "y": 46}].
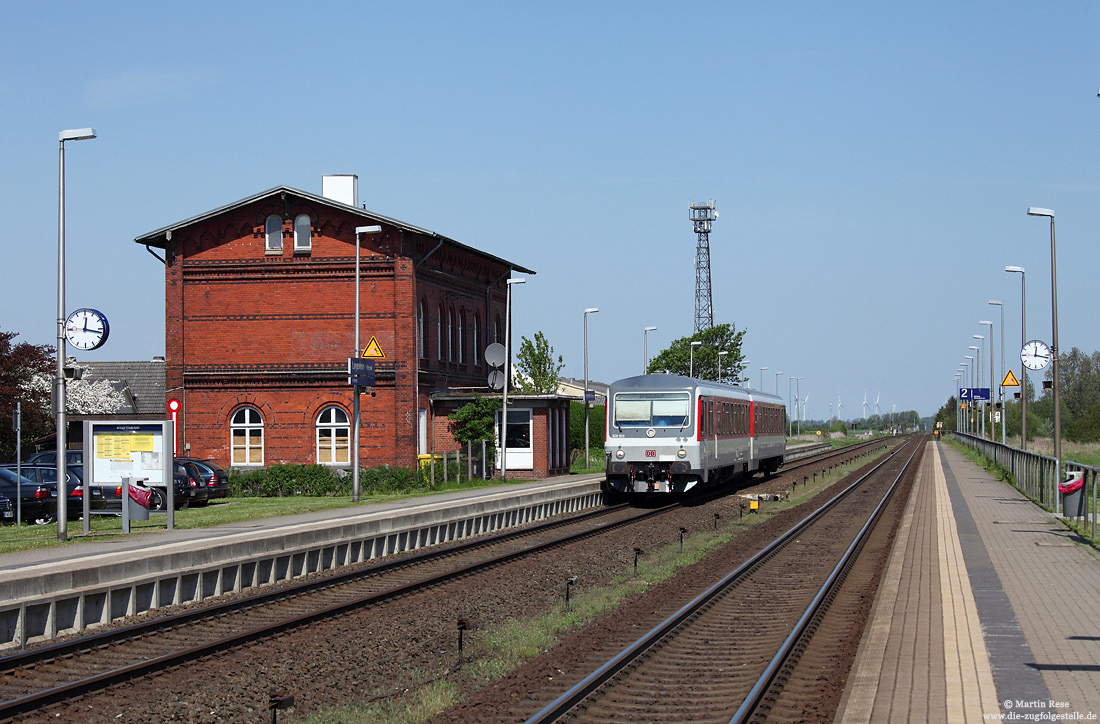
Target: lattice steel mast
[{"x": 702, "y": 217}]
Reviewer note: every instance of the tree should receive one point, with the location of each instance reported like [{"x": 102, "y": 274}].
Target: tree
[
  {"x": 25, "y": 373},
  {"x": 677, "y": 358},
  {"x": 476, "y": 421},
  {"x": 538, "y": 371}
]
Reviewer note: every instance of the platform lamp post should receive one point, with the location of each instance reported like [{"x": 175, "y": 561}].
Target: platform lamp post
[
  {"x": 969, "y": 364},
  {"x": 720, "y": 356},
  {"x": 976, "y": 371},
  {"x": 762, "y": 378},
  {"x": 957, "y": 410},
  {"x": 507, "y": 378},
  {"x": 798, "y": 404},
  {"x": 590, "y": 310},
  {"x": 992, "y": 382},
  {"x": 691, "y": 357},
  {"x": 744, "y": 368},
  {"x": 1023, "y": 341},
  {"x": 958, "y": 403},
  {"x": 777, "y": 382},
  {"x": 645, "y": 349},
  {"x": 980, "y": 371},
  {"x": 355, "y": 390},
  {"x": 78, "y": 134},
  {"x": 1035, "y": 211},
  {"x": 1000, "y": 388}
]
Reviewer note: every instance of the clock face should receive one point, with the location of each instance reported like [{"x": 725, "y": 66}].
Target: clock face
[
  {"x": 1035, "y": 355},
  {"x": 87, "y": 329}
]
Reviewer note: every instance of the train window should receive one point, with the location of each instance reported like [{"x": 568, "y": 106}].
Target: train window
[{"x": 651, "y": 409}]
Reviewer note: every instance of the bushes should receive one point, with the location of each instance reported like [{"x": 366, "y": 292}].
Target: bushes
[{"x": 280, "y": 481}]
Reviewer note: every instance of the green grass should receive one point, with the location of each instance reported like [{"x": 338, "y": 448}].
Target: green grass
[{"x": 218, "y": 512}]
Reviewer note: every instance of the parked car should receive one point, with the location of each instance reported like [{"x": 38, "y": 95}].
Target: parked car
[
  {"x": 39, "y": 492},
  {"x": 217, "y": 480},
  {"x": 12, "y": 488},
  {"x": 189, "y": 471},
  {"x": 49, "y": 457},
  {"x": 7, "y": 510}
]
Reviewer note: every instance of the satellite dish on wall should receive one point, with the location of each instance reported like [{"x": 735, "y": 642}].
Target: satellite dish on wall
[
  {"x": 496, "y": 380},
  {"x": 494, "y": 354}
]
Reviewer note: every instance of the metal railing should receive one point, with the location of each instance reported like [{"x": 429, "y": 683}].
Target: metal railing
[{"x": 1035, "y": 475}]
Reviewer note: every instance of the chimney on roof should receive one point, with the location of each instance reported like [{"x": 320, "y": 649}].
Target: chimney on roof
[{"x": 342, "y": 187}]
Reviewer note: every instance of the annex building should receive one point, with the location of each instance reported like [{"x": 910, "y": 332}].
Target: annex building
[{"x": 259, "y": 326}]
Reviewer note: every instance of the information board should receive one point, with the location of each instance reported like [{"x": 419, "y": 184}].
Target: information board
[{"x": 127, "y": 449}]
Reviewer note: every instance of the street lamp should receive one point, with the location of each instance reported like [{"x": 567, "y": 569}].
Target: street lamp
[
  {"x": 958, "y": 385},
  {"x": 720, "y": 356},
  {"x": 744, "y": 368},
  {"x": 645, "y": 349},
  {"x": 777, "y": 382},
  {"x": 978, "y": 366},
  {"x": 969, "y": 364},
  {"x": 590, "y": 310},
  {"x": 507, "y": 375},
  {"x": 691, "y": 365},
  {"x": 1000, "y": 388},
  {"x": 1023, "y": 341},
  {"x": 355, "y": 432},
  {"x": 790, "y": 406},
  {"x": 762, "y": 378},
  {"x": 798, "y": 403},
  {"x": 1034, "y": 211},
  {"x": 77, "y": 134},
  {"x": 978, "y": 370},
  {"x": 992, "y": 380}
]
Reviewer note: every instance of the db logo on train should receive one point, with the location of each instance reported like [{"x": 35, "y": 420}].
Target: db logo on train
[{"x": 651, "y": 453}]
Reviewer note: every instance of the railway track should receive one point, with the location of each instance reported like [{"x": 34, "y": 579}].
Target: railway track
[
  {"x": 39, "y": 677},
  {"x": 727, "y": 655}
]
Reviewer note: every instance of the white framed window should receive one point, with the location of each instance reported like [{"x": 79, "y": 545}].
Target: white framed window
[
  {"x": 247, "y": 437},
  {"x": 422, "y": 332},
  {"x": 439, "y": 333},
  {"x": 451, "y": 335},
  {"x": 517, "y": 439},
  {"x": 273, "y": 233},
  {"x": 333, "y": 437},
  {"x": 303, "y": 233},
  {"x": 462, "y": 336},
  {"x": 477, "y": 345}
]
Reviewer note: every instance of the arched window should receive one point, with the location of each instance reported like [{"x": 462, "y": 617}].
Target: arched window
[
  {"x": 333, "y": 437},
  {"x": 477, "y": 337},
  {"x": 462, "y": 336},
  {"x": 439, "y": 333},
  {"x": 422, "y": 331},
  {"x": 247, "y": 437},
  {"x": 273, "y": 233},
  {"x": 451, "y": 335},
  {"x": 303, "y": 240}
]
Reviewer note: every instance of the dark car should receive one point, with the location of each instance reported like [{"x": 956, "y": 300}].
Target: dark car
[
  {"x": 39, "y": 492},
  {"x": 49, "y": 457},
  {"x": 217, "y": 480},
  {"x": 189, "y": 471},
  {"x": 12, "y": 488},
  {"x": 7, "y": 510}
]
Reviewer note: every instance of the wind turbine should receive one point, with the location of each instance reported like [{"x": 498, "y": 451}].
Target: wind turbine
[
  {"x": 830, "y": 412},
  {"x": 876, "y": 403},
  {"x": 865, "y": 404},
  {"x": 838, "y": 405},
  {"x": 804, "y": 400}
]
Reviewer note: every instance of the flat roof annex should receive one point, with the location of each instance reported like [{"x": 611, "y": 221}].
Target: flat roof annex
[{"x": 158, "y": 238}]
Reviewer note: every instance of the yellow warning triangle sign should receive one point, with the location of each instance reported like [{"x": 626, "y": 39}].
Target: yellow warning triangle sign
[
  {"x": 373, "y": 350},
  {"x": 1010, "y": 380}
]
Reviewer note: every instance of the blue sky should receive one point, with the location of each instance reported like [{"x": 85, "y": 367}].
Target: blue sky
[{"x": 872, "y": 164}]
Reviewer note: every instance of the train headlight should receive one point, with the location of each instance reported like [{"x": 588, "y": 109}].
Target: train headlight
[
  {"x": 681, "y": 453},
  {"x": 620, "y": 454}
]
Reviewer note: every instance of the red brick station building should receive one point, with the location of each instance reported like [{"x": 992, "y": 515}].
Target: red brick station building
[{"x": 260, "y": 315}]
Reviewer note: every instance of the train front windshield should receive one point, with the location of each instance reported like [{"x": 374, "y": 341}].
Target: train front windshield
[{"x": 652, "y": 409}]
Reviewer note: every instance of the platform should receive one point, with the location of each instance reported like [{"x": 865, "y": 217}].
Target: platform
[{"x": 988, "y": 610}]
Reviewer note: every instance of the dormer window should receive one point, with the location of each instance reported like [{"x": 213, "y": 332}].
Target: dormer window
[
  {"x": 303, "y": 240},
  {"x": 273, "y": 233}
]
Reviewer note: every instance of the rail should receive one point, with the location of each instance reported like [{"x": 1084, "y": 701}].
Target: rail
[{"x": 1035, "y": 476}]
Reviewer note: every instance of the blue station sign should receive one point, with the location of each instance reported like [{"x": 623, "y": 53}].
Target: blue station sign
[{"x": 974, "y": 393}]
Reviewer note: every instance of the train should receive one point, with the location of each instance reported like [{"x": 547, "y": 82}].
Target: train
[{"x": 669, "y": 434}]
